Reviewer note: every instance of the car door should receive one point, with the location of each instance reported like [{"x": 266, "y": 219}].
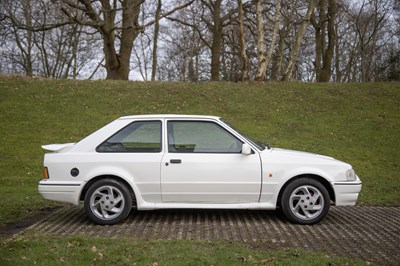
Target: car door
[{"x": 204, "y": 164}]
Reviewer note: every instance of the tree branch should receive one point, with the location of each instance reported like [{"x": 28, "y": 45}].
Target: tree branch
[
  {"x": 38, "y": 28},
  {"x": 193, "y": 27},
  {"x": 75, "y": 20},
  {"x": 166, "y": 14}
]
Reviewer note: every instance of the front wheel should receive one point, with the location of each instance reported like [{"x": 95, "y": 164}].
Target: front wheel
[
  {"x": 305, "y": 201},
  {"x": 107, "y": 201}
]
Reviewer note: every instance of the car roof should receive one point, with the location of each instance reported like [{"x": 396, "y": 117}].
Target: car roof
[{"x": 154, "y": 116}]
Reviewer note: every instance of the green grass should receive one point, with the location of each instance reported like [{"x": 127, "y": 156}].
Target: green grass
[
  {"x": 356, "y": 123},
  {"x": 80, "y": 251}
]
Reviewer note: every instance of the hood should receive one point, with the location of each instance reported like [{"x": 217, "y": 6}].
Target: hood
[
  {"x": 300, "y": 153},
  {"x": 291, "y": 157}
]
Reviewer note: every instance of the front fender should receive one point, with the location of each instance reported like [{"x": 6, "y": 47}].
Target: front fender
[{"x": 273, "y": 187}]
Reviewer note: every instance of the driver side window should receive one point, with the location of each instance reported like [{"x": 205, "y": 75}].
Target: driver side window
[{"x": 200, "y": 137}]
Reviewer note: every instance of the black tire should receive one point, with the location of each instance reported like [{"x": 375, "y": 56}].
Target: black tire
[
  {"x": 107, "y": 202},
  {"x": 305, "y": 201}
]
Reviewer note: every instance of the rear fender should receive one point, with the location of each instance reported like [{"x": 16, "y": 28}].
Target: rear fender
[{"x": 114, "y": 171}]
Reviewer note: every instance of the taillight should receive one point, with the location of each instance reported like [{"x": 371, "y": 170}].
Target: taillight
[{"x": 46, "y": 173}]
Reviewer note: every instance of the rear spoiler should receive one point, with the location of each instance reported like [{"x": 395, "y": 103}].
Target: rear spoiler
[{"x": 57, "y": 147}]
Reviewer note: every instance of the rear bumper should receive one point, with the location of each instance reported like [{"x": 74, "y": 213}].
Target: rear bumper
[
  {"x": 60, "y": 191},
  {"x": 347, "y": 192}
]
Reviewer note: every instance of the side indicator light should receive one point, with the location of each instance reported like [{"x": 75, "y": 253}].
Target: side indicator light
[{"x": 46, "y": 173}]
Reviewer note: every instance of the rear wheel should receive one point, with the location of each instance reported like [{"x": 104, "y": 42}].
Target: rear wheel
[
  {"x": 305, "y": 201},
  {"x": 107, "y": 201}
]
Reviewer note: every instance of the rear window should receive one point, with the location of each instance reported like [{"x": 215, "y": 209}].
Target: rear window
[{"x": 140, "y": 136}]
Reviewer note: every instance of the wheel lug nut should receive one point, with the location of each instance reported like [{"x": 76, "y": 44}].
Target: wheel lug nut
[
  {"x": 102, "y": 202},
  {"x": 112, "y": 202},
  {"x": 106, "y": 197},
  {"x": 107, "y": 207}
]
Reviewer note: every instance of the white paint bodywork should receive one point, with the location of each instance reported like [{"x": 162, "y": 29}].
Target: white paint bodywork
[{"x": 225, "y": 181}]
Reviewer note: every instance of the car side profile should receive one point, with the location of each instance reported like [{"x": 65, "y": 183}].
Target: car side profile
[{"x": 153, "y": 162}]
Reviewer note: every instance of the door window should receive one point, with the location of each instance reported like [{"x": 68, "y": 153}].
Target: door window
[{"x": 200, "y": 137}]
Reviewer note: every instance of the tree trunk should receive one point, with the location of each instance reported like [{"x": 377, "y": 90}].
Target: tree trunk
[
  {"x": 27, "y": 10},
  {"x": 318, "y": 26},
  {"x": 262, "y": 66},
  {"x": 197, "y": 66},
  {"x": 275, "y": 31},
  {"x": 326, "y": 70},
  {"x": 105, "y": 20},
  {"x": 299, "y": 38},
  {"x": 283, "y": 33},
  {"x": 112, "y": 63},
  {"x": 117, "y": 64},
  {"x": 217, "y": 41},
  {"x": 191, "y": 71},
  {"x": 155, "y": 40},
  {"x": 277, "y": 65},
  {"x": 130, "y": 25},
  {"x": 243, "y": 54},
  {"x": 338, "y": 71},
  {"x": 263, "y": 59}
]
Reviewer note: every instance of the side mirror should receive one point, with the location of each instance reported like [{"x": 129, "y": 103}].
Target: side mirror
[{"x": 246, "y": 149}]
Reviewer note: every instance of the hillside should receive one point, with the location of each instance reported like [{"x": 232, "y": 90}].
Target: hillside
[{"x": 356, "y": 123}]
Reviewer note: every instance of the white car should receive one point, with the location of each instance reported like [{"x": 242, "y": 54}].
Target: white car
[{"x": 188, "y": 161}]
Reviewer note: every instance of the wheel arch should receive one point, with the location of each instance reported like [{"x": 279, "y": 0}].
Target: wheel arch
[
  {"x": 318, "y": 178},
  {"x": 115, "y": 177}
]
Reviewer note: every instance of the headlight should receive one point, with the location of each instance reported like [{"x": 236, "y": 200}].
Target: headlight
[{"x": 350, "y": 175}]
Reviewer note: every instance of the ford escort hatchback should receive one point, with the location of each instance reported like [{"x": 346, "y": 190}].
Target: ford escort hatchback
[{"x": 152, "y": 162}]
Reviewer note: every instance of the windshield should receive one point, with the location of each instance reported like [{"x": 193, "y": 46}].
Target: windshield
[{"x": 259, "y": 145}]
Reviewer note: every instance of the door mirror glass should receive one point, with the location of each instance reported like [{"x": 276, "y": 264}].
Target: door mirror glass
[{"x": 246, "y": 149}]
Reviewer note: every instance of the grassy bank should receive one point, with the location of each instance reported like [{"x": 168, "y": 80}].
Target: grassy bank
[
  {"x": 79, "y": 251},
  {"x": 356, "y": 123}
]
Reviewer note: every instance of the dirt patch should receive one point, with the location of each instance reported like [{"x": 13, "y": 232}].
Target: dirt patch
[{"x": 12, "y": 228}]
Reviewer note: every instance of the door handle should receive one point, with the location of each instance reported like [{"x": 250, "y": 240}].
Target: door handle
[{"x": 175, "y": 161}]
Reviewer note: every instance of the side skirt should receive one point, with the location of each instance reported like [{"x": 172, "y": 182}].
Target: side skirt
[{"x": 243, "y": 206}]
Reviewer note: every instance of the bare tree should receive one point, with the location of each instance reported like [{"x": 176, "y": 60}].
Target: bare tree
[
  {"x": 16, "y": 13},
  {"x": 349, "y": 41},
  {"x": 263, "y": 59},
  {"x": 324, "y": 24},
  {"x": 118, "y": 24},
  {"x": 45, "y": 47},
  {"x": 243, "y": 53},
  {"x": 369, "y": 21},
  {"x": 289, "y": 21},
  {"x": 215, "y": 16},
  {"x": 179, "y": 56},
  {"x": 218, "y": 21},
  {"x": 299, "y": 37},
  {"x": 155, "y": 40}
]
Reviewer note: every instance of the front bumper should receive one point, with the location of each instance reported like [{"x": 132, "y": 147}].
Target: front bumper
[
  {"x": 60, "y": 191},
  {"x": 346, "y": 193}
]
